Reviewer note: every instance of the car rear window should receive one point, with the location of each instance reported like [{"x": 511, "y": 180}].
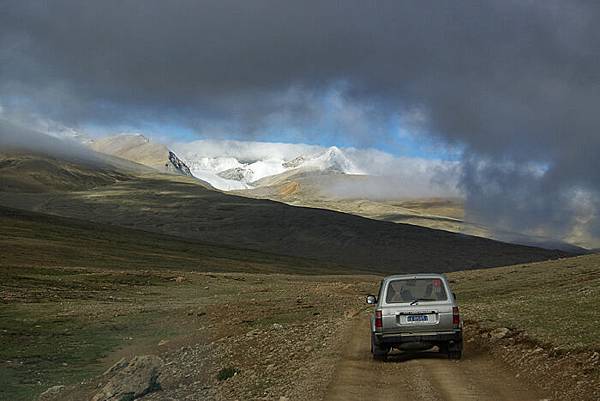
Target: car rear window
[{"x": 408, "y": 290}]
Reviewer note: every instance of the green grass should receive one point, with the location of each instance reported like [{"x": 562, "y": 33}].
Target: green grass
[
  {"x": 59, "y": 332},
  {"x": 557, "y": 302},
  {"x": 66, "y": 325},
  {"x": 33, "y": 239},
  {"x": 73, "y": 293},
  {"x": 226, "y": 373}
]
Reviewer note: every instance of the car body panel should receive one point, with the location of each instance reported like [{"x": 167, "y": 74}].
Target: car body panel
[{"x": 401, "y": 320}]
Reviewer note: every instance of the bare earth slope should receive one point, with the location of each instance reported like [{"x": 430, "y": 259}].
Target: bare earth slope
[
  {"x": 181, "y": 207},
  {"x": 322, "y": 189},
  {"x": 140, "y": 149}
]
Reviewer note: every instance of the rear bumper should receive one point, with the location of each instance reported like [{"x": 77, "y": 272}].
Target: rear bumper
[{"x": 400, "y": 338}]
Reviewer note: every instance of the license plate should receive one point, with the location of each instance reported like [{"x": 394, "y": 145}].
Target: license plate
[{"x": 417, "y": 318}]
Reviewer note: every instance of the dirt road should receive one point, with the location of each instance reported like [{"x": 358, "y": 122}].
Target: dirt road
[{"x": 425, "y": 376}]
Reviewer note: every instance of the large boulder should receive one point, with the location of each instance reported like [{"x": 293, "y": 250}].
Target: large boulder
[{"x": 132, "y": 379}]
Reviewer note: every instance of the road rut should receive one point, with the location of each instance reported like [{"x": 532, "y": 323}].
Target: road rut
[{"x": 424, "y": 376}]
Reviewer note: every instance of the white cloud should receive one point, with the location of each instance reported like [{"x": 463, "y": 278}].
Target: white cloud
[
  {"x": 390, "y": 176},
  {"x": 245, "y": 151}
]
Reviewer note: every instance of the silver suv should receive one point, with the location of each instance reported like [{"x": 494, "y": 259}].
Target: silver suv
[{"x": 415, "y": 311}]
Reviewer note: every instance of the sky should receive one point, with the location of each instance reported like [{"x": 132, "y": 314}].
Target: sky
[{"x": 510, "y": 88}]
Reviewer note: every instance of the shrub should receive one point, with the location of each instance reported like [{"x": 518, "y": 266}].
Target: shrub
[{"x": 227, "y": 373}]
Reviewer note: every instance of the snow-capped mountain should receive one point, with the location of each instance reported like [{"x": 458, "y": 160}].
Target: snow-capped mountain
[
  {"x": 247, "y": 165},
  {"x": 233, "y": 170},
  {"x": 331, "y": 159}
]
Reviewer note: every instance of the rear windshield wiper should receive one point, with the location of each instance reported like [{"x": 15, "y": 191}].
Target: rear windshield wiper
[{"x": 421, "y": 299}]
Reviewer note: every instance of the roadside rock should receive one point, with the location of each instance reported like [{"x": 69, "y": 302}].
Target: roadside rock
[
  {"x": 120, "y": 364},
  {"x": 499, "y": 333},
  {"x": 50, "y": 393},
  {"x": 133, "y": 380}
]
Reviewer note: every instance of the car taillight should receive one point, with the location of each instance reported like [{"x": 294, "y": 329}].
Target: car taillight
[
  {"x": 455, "y": 317},
  {"x": 378, "y": 320}
]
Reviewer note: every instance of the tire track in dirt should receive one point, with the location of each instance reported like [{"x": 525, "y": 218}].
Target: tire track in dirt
[{"x": 423, "y": 376}]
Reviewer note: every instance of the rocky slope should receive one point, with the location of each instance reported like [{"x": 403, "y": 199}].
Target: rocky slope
[{"x": 139, "y": 149}]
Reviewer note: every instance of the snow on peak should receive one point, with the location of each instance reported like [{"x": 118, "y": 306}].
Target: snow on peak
[
  {"x": 332, "y": 159},
  {"x": 229, "y": 165},
  {"x": 237, "y": 174}
]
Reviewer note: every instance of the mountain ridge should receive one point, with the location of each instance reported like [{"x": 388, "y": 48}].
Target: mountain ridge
[
  {"x": 235, "y": 172},
  {"x": 181, "y": 206},
  {"x": 140, "y": 149},
  {"x": 310, "y": 176}
]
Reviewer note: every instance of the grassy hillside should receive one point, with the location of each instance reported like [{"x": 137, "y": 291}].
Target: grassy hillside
[
  {"x": 554, "y": 302},
  {"x": 314, "y": 189},
  {"x": 29, "y": 239},
  {"x": 42, "y": 174},
  {"x": 85, "y": 185},
  {"x": 75, "y": 295},
  {"x": 542, "y": 319},
  {"x": 178, "y": 206},
  {"x": 310, "y": 189}
]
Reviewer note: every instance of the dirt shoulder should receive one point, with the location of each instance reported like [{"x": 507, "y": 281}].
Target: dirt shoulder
[
  {"x": 308, "y": 340},
  {"x": 246, "y": 336},
  {"x": 424, "y": 376},
  {"x": 220, "y": 336},
  {"x": 540, "y": 318},
  {"x": 498, "y": 364},
  {"x": 564, "y": 375}
]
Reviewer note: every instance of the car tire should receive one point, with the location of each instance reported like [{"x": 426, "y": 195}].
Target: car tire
[
  {"x": 456, "y": 355},
  {"x": 379, "y": 353},
  {"x": 455, "y": 350}
]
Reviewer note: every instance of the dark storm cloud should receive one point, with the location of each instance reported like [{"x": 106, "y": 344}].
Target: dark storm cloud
[{"x": 514, "y": 82}]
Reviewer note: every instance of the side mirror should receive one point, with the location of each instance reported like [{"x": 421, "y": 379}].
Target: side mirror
[
  {"x": 454, "y": 295},
  {"x": 371, "y": 300}
]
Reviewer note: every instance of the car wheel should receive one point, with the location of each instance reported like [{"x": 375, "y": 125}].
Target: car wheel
[
  {"x": 455, "y": 355},
  {"x": 379, "y": 353}
]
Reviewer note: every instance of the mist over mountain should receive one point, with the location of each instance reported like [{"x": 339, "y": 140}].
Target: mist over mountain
[
  {"x": 197, "y": 195},
  {"x": 511, "y": 84},
  {"x": 138, "y": 148},
  {"x": 17, "y": 138},
  {"x": 235, "y": 165}
]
